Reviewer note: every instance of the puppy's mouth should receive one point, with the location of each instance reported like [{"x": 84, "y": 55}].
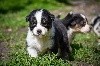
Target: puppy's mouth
[{"x": 38, "y": 35}]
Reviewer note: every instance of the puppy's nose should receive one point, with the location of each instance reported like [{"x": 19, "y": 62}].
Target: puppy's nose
[{"x": 39, "y": 31}]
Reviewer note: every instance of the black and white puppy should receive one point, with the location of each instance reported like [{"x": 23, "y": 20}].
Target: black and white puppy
[
  {"x": 40, "y": 31},
  {"x": 75, "y": 22},
  {"x": 96, "y": 25},
  {"x": 45, "y": 32}
]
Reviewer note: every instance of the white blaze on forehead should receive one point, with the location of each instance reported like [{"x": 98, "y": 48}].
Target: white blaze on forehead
[
  {"x": 38, "y": 16},
  {"x": 83, "y": 16}
]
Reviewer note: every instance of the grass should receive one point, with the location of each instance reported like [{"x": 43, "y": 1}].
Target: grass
[{"x": 13, "y": 30}]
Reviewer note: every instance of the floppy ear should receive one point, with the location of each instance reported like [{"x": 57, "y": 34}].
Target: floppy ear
[
  {"x": 52, "y": 17},
  {"x": 70, "y": 14},
  {"x": 27, "y": 18}
]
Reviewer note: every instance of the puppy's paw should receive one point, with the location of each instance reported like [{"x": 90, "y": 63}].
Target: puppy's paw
[{"x": 32, "y": 52}]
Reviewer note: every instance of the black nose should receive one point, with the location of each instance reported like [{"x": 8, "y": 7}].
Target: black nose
[{"x": 39, "y": 31}]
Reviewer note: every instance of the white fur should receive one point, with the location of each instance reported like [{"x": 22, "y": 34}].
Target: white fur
[
  {"x": 38, "y": 16},
  {"x": 70, "y": 32},
  {"x": 95, "y": 30},
  {"x": 85, "y": 29},
  {"x": 71, "y": 12},
  {"x": 37, "y": 44},
  {"x": 83, "y": 16}
]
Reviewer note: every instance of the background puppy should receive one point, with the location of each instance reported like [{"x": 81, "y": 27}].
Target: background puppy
[
  {"x": 46, "y": 33},
  {"x": 96, "y": 25},
  {"x": 76, "y": 22}
]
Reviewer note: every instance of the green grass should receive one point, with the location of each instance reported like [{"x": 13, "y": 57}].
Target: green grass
[{"x": 13, "y": 29}]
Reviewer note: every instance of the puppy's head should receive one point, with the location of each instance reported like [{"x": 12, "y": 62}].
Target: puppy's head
[
  {"x": 78, "y": 22},
  {"x": 40, "y": 21}
]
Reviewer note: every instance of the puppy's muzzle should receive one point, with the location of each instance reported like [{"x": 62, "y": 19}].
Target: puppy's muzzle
[{"x": 39, "y": 31}]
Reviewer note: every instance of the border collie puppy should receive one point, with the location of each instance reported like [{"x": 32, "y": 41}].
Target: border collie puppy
[
  {"x": 96, "y": 25},
  {"x": 75, "y": 22},
  {"x": 46, "y": 33}
]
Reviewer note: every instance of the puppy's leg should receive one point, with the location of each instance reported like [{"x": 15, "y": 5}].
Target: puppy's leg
[
  {"x": 32, "y": 52},
  {"x": 64, "y": 51}
]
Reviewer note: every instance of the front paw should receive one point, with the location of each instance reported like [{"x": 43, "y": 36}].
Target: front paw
[{"x": 32, "y": 52}]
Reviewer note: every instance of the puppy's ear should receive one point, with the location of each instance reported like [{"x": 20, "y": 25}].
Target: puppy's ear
[
  {"x": 52, "y": 17},
  {"x": 27, "y": 18},
  {"x": 70, "y": 14}
]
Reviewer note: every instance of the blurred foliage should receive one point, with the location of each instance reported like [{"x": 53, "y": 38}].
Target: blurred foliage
[
  {"x": 12, "y": 5},
  {"x": 65, "y": 1}
]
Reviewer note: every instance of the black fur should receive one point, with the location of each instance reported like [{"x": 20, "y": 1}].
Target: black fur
[
  {"x": 95, "y": 20},
  {"x": 96, "y": 26},
  {"x": 61, "y": 40},
  {"x": 46, "y": 21},
  {"x": 73, "y": 19},
  {"x": 60, "y": 37}
]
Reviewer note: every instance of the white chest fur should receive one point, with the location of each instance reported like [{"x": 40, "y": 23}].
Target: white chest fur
[{"x": 38, "y": 44}]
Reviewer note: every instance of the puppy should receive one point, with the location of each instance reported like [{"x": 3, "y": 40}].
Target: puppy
[
  {"x": 45, "y": 32},
  {"x": 75, "y": 22},
  {"x": 40, "y": 32},
  {"x": 96, "y": 25}
]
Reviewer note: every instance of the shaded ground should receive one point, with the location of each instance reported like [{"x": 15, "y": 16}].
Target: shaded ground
[{"x": 3, "y": 51}]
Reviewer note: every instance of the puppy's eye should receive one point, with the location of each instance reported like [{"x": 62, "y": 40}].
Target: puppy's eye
[
  {"x": 34, "y": 20},
  {"x": 33, "y": 23},
  {"x": 44, "y": 22},
  {"x": 83, "y": 23},
  {"x": 73, "y": 23}
]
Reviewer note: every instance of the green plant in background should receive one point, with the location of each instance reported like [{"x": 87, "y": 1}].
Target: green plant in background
[{"x": 7, "y": 5}]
